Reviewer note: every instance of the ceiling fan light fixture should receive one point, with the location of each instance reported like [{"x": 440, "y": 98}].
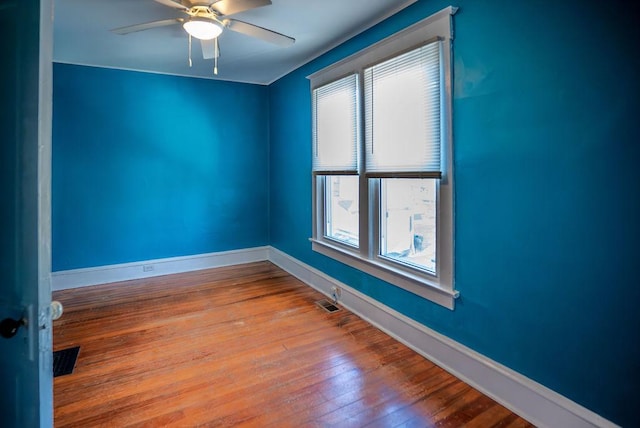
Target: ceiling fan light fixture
[{"x": 203, "y": 28}]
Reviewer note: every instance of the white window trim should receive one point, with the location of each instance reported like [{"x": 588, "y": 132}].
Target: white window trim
[{"x": 440, "y": 288}]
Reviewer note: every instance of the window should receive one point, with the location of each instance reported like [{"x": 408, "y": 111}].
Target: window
[{"x": 382, "y": 169}]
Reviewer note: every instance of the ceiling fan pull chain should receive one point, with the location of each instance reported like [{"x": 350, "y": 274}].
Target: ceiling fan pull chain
[
  {"x": 215, "y": 58},
  {"x": 190, "y": 62}
]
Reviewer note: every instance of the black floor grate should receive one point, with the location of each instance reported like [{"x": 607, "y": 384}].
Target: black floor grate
[
  {"x": 327, "y": 305},
  {"x": 64, "y": 361}
]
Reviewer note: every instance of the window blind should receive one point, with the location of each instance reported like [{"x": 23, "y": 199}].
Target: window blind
[
  {"x": 335, "y": 124},
  {"x": 402, "y": 114}
]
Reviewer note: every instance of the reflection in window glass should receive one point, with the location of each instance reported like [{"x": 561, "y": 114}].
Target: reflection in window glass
[
  {"x": 408, "y": 222},
  {"x": 342, "y": 208}
]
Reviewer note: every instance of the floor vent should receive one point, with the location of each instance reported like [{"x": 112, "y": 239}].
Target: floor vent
[
  {"x": 64, "y": 361},
  {"x": 327, "y": 305}
]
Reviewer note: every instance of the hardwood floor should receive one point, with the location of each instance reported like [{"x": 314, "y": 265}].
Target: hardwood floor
[{"x": 245, "y": 346}]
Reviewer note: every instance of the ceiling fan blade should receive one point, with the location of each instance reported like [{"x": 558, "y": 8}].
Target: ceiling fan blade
[
  {"x": 229, "y": 7},
  {"x": 146, "y": 26},
  {"x": 174, "y": 4},
  {"x": 259, "y": 32},
  {"x": 209, "y": 49}
]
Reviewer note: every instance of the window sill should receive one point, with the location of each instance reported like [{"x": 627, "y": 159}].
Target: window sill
[{"x": 415, "y": 284}]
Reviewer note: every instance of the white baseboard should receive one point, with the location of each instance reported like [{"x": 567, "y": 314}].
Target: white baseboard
[
  {"x": 525, "y": 397},
  {"x": 126, "y": 271},
  {"x": 529, "y": 399}
]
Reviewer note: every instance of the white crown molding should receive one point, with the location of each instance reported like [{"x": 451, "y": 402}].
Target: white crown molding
[{"x": 400, "y": 6}]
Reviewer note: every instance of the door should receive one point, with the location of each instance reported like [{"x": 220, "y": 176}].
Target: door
[{"x": 26, "y": 379}]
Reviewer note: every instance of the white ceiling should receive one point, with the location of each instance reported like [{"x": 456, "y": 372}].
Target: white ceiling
[{"x": 82, "y": 36}]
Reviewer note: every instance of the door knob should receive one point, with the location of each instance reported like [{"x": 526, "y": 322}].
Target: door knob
[
  {"x": 56, "y": 310},
  {"x": 9, "y": 327}
]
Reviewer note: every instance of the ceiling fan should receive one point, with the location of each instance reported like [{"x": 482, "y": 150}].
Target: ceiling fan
[{"x": 206, "y": 20}]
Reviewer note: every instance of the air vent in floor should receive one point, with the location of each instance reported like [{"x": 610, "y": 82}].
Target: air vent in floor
[
  {"x": 64, "y": 361},
  {"x": 327, "y": 305}
]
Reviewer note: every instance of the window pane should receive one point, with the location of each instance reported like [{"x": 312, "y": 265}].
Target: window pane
[
  {"x": 408, "y": 222},
  {"x": 342, "y": 209}
]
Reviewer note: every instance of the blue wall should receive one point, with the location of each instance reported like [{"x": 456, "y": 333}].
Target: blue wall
[
  {"x": 546, "y": 98},
  {"x": 149, "y": 166},
  {"x": 547, "y": 214}
]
